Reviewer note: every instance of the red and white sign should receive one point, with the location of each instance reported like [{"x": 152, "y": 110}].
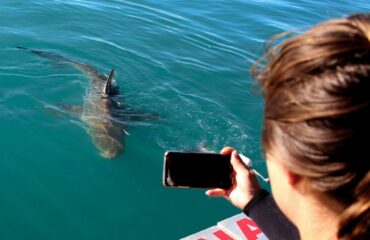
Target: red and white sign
[{"x": 238, "y": 227}]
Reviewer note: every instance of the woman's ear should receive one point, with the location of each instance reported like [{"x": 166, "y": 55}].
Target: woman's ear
[
  {"x": 293, "y": 178},
  {"x": 296, "y": 181}
]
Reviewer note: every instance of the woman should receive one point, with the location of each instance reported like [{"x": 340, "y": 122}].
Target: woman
[{"x": 316, "y": 125}]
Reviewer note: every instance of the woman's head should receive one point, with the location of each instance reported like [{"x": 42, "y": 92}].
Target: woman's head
[{"x": 316, "y": 124}]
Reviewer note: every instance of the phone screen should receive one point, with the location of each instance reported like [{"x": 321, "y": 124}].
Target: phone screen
[{"x": 197, "y": 170}]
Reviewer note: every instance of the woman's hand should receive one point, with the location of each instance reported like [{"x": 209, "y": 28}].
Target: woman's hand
[{"x": 245, "y": 183}]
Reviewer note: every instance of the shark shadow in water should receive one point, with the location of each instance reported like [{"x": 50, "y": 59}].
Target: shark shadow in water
[{"x": 101, "y": 110}]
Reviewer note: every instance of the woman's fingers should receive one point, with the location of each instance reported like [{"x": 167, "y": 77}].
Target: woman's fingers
[
  {"x": 218, "y": 192},
  {"x": 227, "y": 150},
  {"x": 237, "y": 163},
  {"x": 245, "y": 183}
]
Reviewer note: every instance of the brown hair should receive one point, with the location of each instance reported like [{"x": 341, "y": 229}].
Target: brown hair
[{"x": 317, "y": 88}]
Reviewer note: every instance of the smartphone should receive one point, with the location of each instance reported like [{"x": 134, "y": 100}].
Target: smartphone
[{"x": 197, "y": 170}]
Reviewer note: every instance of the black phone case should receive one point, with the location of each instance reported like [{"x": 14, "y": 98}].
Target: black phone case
[{"x": 203, "y": 170}]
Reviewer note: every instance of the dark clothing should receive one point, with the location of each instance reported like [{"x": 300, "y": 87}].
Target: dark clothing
[{"x": 267, "y": 215}]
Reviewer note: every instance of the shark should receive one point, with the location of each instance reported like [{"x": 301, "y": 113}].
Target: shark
[{"x": 101, "y": 110}]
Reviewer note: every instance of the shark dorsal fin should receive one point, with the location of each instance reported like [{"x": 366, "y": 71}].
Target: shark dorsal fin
[{"x": 109, "y": 85}]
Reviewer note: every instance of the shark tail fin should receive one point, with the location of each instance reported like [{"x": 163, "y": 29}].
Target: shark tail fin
[
  {"x": 21, "y": 47},
  {"x": 55, "y": 57},
  {"x": 110, "y": 86}
]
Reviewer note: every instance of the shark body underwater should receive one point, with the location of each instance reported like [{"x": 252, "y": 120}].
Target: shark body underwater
[{"x": 101, "y": 110}]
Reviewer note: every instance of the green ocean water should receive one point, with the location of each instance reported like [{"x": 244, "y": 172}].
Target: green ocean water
[{"x": 187, "y": 61}]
